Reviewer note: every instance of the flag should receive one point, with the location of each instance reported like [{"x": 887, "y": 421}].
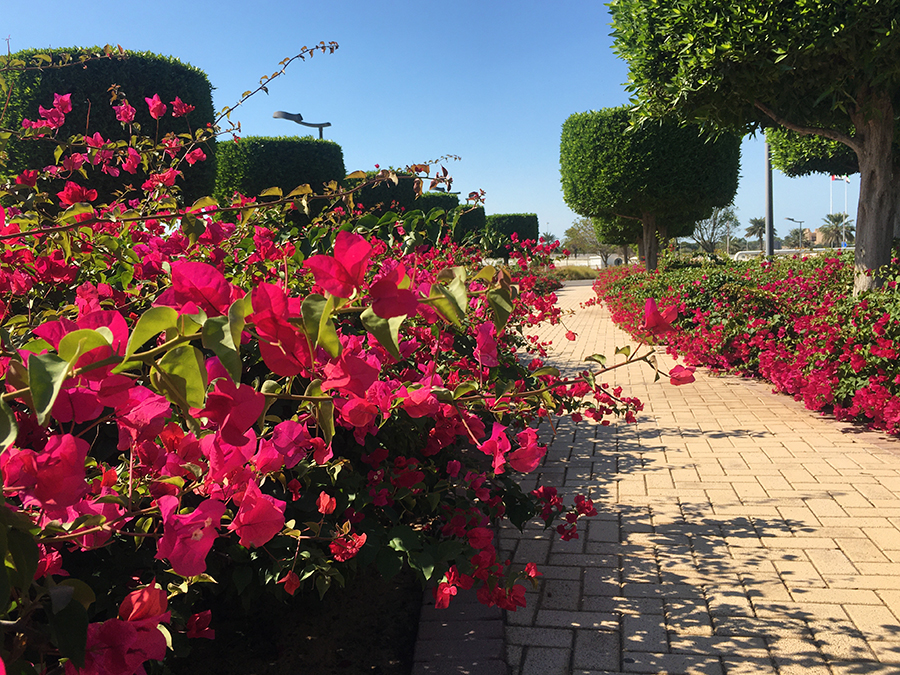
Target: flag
[{"x": 846, "y": 179}]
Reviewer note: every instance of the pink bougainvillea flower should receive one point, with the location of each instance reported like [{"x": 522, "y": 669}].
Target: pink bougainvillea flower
[
  {"x": 194, "y": 156},
  {"x": 180, "y": 108},
  {"x": 132, "y": 160},
  {"x": 149, "y": 602},
  {"x": 658, "y": 322},
  {"x": 680, "y": 375},
  {"x": 259, "y": 518},
  {"x": 27, "y": 177},
  {"x": 351, "y": 373},
  {"x": 345, "y": 271},
  {"x": 198, "y": 626},
  {"x": 529, "y": 454},
  {"x": 388, "y": 299},
  {"x": 325, "y": 503},
  {"x": 571, "y": 335},
  {"x": 497, "y": 446},
  {"x": 347, "y": 546},
  {"x": 187, "y": 538},
  {"x": 233, "y": 408},
  {"x": 124, "y": 113},
  {"x": 60, "y": 478},
  {"x": 164, "y": 179},
  {"x": 291, "y": 582},
  {"x": 63, "y": 103},
  {"x": 532, "y": 571},
  {"x": 156, "y": 106},
  {"x": 480, "y": 537},
  {"x": 53, "y": 118},
  {"x": 73, "y": 193},
  {"x": 486, "y": 344},
  {"x": 200, "y": 284}
]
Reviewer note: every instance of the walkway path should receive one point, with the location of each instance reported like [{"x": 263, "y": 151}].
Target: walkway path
[{"x": 738, "y": 533}]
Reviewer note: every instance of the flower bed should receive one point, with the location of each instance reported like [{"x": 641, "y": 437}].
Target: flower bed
[
  {"x": 790, "y": 321},
  {"x": 206, "y": 400}
]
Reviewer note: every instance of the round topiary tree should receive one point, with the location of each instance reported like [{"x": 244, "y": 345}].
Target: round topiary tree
[
  {"x": 656, "y": 174},
  {"x": 92, "y": 85}
]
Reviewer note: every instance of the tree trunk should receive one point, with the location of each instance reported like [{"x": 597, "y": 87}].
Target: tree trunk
[
  {"x": 642, "y": 249},
  {"x": 877, "y": 211},
  {"x": 651, "y": 243}
]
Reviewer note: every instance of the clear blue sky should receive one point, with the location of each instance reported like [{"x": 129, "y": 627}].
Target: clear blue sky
[{"x": 491, "y": 82}]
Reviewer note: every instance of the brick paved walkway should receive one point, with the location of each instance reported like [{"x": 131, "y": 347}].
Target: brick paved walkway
[{"x": 738, "y": 533}]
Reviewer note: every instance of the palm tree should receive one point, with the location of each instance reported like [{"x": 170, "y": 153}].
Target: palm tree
[
  {"x": 796, "y": 238},
  {"x": 838, "y": 228},
  {"x": 757, "y": 230}
]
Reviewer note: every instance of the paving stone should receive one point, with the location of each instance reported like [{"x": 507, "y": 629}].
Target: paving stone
[{"x": 596, "y": 650}]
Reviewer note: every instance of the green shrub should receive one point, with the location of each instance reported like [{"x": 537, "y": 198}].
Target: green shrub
[
  {"x": 139, "y": 75},
  {"x": 255, "y": 163},
  {"x": 470, "y": 221},
  {"x": 524, "y": 225}
]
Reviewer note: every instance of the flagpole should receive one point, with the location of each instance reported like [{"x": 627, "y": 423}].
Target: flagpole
[{"x": 831, "y": 194}]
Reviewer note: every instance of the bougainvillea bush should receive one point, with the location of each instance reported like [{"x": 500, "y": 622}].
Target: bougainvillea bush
[
  {"x": 792, "y": 321},
  {"x": 200, "y": 399}
]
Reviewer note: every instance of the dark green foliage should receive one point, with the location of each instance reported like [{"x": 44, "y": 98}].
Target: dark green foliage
[
  {"x": 472, "y": 220},
  {"x": 795, "y": 155},
  {"x": 385, "y": 196},
  {"x": 139, "y": 76},
  {"x": 611, "y": 169},
  {"x": 256, "y": 163},
  {"x": 525, "y": 225},
  {"x": 436, "y": 200}
]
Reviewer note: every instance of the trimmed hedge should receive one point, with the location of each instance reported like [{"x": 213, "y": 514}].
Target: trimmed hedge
[
  {"x": 469, "y": 222},
  {"x": 255, "y": 163},
  {"x": 525, "y": 225},
  {"x": 140, "y": 75}
]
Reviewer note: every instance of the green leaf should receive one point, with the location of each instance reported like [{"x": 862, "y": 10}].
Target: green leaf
[
  {"x": 386, "y": 331},
  {"x": 464, "y": 388},
  {"x": 487, "y": 273},
  {"x": 8, "y": 427},
  {"x": 546, "y": 370},
  {"x": 445, "y": 304},
  {"x": 25, "y": 555},
  {"x": 501, "y": 305},
  {"x": 423, "y": 563},
  {"x": 154, "y": 321},
  {"x": 317, "y": 323},
  {"x": 272, "y": 192},
  {"x": 324, "y": 410},
  {"x": 183, "y": 379},
  {"x": 404, "y": 538},
  {"x": 46, "y": 375},
  {"x": 597, "y": 358},
  {"x": 626, "y": 350},
  {"x": 222, "y": 334},
  {"x": 203, "y": 202},
  {"x": 192, "y": 227},
  {"x": 79, "y": 342},
  {"x": 457, "y": 286}
]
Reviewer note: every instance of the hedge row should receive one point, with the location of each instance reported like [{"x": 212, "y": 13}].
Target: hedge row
[{"x": 139, "y": 75}]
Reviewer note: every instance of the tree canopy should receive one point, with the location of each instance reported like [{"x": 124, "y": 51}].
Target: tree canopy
[
  {"x": 819, "y": 67},
  {"x": 663, "y": 175}
]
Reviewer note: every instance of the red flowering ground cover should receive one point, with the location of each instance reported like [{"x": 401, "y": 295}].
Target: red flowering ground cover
[{"x": 790, "y": 321}]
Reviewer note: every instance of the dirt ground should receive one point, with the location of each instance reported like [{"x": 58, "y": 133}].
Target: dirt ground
[{"x": 367, "y": 629}]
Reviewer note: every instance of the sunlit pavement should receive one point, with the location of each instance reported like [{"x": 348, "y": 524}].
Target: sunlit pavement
[{"x": 737, "y": 533}]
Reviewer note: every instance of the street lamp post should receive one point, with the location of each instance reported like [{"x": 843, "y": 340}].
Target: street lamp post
[
  {"x": 298, "y": 118},
  {"x": 800, "y": 223}
]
